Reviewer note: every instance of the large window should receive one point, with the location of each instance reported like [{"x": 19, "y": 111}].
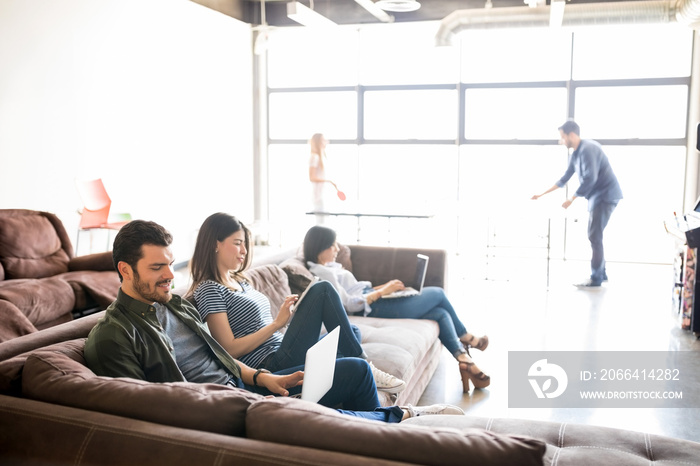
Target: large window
[
  {"x": 467, "y": 134},
  {"x": 410, "y": 114},
  {"x": 293, "y": 114},
  {"x": 514, "y": 113},
  {"x": 645, "y": 112}
]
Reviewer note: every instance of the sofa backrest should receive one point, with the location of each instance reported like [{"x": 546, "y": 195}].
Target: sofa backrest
[
  {"x": 59, "y": 375},
  {"x": 382, "y": 264},
  {"x": 296, "y": 422},
  {"x": 33, "y": 244}
]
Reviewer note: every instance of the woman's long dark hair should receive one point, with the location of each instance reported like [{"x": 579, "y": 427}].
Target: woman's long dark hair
[
  {"x": 317, "y": 240},
  {"x": 203, "y": 266}
]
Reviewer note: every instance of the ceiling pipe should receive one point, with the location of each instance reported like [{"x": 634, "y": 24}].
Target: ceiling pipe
[{"x": 683, "y": 11}]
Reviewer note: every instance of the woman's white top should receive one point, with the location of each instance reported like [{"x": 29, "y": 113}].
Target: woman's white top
[
  {"x": 318, "y": 188},
  {"x": 353, "y": 293}
]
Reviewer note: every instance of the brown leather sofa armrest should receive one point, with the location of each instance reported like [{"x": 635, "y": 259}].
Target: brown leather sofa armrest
[{"x": 99, "y": 262}]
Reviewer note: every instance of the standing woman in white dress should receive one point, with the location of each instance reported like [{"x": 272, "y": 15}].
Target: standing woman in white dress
[{"x": 317, "y": 174}]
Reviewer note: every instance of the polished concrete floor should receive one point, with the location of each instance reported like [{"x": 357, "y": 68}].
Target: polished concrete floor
[{"x": 524, "y": 306}]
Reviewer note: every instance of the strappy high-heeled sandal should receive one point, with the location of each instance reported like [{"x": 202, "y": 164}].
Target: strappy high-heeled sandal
[
  {"x": 479, "y": 380},
  {"x": 483, "y": 344}
]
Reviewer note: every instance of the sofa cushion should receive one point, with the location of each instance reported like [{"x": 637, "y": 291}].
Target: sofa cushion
[
  {"x": 92, "y": 288},
  {"x": 60, "y": 376},
  {"x": 14, "y": 322},
  {"x": 11, "y": 368},
  {"x": 295, "y": 422},
  {"x": 397, "y": 346},
  {"x": 41, "y": 300},
  {"x": 271, "y": 281},
  {"x": 298, "y": 275},
  {"x": 31, "y": 248},
  {"x": 344, "y": 257},
  {"x": 102, "y": 261}
]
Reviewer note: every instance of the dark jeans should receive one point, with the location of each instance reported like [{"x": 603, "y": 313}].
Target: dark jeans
[
  {"x": 353, "y": 389},
  {"x": 597, "y": 221},
  {"x": 321, "y": 305}
]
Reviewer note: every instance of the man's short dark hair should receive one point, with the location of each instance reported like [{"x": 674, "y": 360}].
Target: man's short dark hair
[
  {"x": 570, "y": 126},
  {"x": 132, "y": 236}
]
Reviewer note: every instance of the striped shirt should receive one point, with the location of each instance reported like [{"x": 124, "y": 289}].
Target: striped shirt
[{"x": 248, "y": 311}]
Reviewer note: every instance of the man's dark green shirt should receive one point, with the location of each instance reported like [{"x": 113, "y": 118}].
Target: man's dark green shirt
[{"x": 129, "y": 341}]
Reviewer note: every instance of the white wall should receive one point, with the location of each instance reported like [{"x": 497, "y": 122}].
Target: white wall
[{"x": 153, "y": 96}]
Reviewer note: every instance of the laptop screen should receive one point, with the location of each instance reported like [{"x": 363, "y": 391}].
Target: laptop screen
[{"x": 421, "y": 271}]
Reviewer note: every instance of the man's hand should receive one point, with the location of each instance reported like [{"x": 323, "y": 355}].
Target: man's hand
[
  {"x": 567, "y": 203},
  {"x": 535, "y": 197},
  {"x": 280, "y": 383}
]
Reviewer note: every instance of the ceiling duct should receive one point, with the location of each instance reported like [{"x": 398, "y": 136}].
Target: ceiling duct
[{"x": 640, "y": 12}]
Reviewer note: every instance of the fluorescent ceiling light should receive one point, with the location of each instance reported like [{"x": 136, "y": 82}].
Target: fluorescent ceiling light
[
  {"x": 556, "y": 13},
  {"x": 306, "y": 16},
  {"x": 378, "y": 13},
  {"x": 398, "y": 5}
]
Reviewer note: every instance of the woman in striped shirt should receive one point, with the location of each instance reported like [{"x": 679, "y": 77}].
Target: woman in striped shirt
[{"x": 239, "y": 316}]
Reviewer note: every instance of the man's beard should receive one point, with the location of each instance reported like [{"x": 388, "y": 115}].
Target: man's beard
[{"x": 142, "y": 289}]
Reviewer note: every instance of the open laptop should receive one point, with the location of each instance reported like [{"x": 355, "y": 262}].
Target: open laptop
[
  {"x": 421, "y": 270},
  {"x": 319, "y": 367}
]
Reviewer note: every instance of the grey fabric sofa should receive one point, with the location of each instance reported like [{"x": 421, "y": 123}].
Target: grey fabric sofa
[{"x": 406, "y": 348}]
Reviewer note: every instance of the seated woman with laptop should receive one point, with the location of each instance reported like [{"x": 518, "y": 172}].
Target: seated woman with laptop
[
  {"x": 239, "y": 318},
  {"x": 359, "y": 297}
]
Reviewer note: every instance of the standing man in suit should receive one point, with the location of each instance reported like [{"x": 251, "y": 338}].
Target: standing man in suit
[{"x": 598, "y": 184}]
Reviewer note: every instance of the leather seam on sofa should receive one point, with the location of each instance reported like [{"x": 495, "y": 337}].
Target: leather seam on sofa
[
  {"x": 595, "y": 447},
  {"x": 562, "y": 430},
  {"x": 647, "y": 445}
]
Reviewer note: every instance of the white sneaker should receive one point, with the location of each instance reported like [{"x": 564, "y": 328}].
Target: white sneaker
[
  {"x": 414, "y": 411},
  {"x": 387, "y": 382}
]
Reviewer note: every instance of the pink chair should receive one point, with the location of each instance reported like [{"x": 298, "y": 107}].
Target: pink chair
[{"x": 95, "y": 212}]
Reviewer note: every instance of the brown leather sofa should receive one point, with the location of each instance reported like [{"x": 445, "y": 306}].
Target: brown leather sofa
[
  {"x": 54, "y": 410},
  {"x": 42, "y": 284}
]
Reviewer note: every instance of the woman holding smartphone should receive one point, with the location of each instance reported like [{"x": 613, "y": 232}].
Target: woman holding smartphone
[{"x": 239, "y": 316}]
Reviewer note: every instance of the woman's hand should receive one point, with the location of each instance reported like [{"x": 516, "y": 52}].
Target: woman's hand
[
  {"x": 385, "y": 289},
  {"x": 280, "y": 383},
  {"x": 285, "y": 313},
  {"x": 391, "y": 286}
]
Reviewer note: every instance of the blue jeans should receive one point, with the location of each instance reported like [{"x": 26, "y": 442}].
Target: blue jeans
[
  {"x": 597, "y": 221},
  {"x": 321, "y": 305},
  {"x": 431, "y": 304},
  {"x": 353, "y": 389}
]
